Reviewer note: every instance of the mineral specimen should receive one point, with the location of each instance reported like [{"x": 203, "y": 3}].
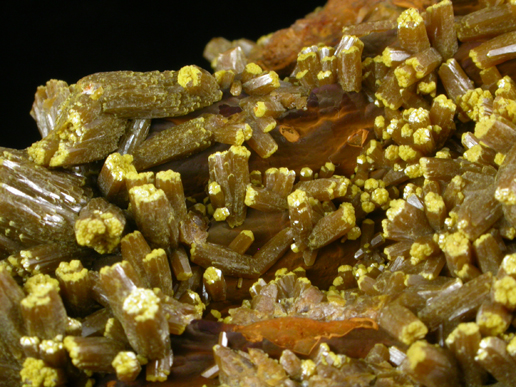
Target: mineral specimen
[{"x": 331, "y": 207}]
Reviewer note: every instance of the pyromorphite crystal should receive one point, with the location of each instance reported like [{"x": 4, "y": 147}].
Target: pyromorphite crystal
[
  {"x": 172, "y": 144},
  {"x": 153, "y": 94},
  {"x": 127, "y": 366},
  {"x": 431, "y": 365},
  {"x": 154, "y": 215},
  {"x": 92, "y": 353},
  {"x": 92, "y": 119},
  {"x": 47, "y": 104},
  {"x": 145, "y": 324},
  {"x": 38, "y": 205},
  {"x": 82, "y": 133},
  {"x": 76, "y": 285},
  {"x": 44, "y": 312}
]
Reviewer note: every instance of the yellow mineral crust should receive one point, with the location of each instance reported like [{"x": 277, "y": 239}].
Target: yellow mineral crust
[
  {"x": 365, "y": 197},
  {"x": 120, "y": 165},
  {"x": 322, "y": 75},
  {"x": 154, "y": 254},
  {"x": 483, "y": 352},
  {"x": 466, "y": 272},
  {"x": 308, "y": 368},
  {"x": 456, "y": 244},
  {"x": 371, "y": 184},
  {"x": 504, "y": 292},
  {"x": 337, "y": 281},
  {"x": 417, "y": 354},
  {"x": 270, "y": 152},
  {"x": 472, "y": 102},
  {"x": 306, "y": 56},
  {"x": 414, "y": 330},
  {"x": 241, "y": 135},
  {"x": 509, "y": 264},
  {"x": 392, "y": 152},
  {"x": 380, "y": 196},
  {"x": 506, "y": 196},
  {"x": 511, "y": 347},
  {"x": 444, "y": 102},
  {"x": 434, "y": 203},
  {"x": 427, "y": 87},
  {"x": 422, "y": 136},
  {"x": 36, "y": 373},
  {"x": 59, "y": 156},
  {"x": 39, "y": 154},
  {"x": 443, "y": 154},
  {"x": 214, "y": 188},
  {"x": 406, "y": 131},
  {"x": 344, "y": 268},
  {"x": 72, "y": 348},
  {"x": 142, "y": 303},
  {"x": 379, "y": 122},
  {"x": 481, "y": 239},
  {"x": 250, "y": 196},
  {"x": 35, "y": 281},
  {"x": 409, "y": 17},
  {"x": 253, "y": 68},
  {"x": 300, "y": 75},
  {"x": 72, "y": 272},
  {"x": 296, "y": 198},
  {"x": 169, "y": 175},
  {"x": 275, "y": 81},
  {"x": 260, "y": 109},
  {"x": 221, "y": 214},
  {"x": 467, "y": 329},
  {"x": 356, "y": 48},
  {"x": 403, "y": 76},
  {"x": 240, "y": 151},
  {"x": 499, "y": 159},
  {"x": 419, "y": 252},
  {"x": 212, "y": 275},
  {"x": 413, "y": 171},
  {"x": 224, "y": 78},
  {"x": 396, "y": 207},
  {"x": 492, "y": 323},
  {"x": 249, "y": 234},
  {"x": 417, "y": 66},
  {"x": 348, "y": 214},
  {"x": 368, "y": 207},
  {"x": 126, "y": 363},
  {"x": 386, "y": 57},
  {"x": 38, "y": 297},
  {"x": 108, "y": 227},
  {"x": 146, "y": 193},
  {"x": 474, "y": 153},
  {"x": 248, "y": 131},
  {"x": 482, "y": 127},
  {"x": 407, "y": 153},
  {"x": 189, "y": 77},
  {"x": 51, "y": 347},
  {"x": 506, "y": 107},
  {"x": 111, "y": 325}
]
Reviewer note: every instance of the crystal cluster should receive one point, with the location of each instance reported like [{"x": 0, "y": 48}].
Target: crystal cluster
[{"x": 334, "y": 205}]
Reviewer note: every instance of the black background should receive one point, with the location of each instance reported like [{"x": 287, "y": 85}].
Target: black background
[{"x": 42, "y": 40}]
